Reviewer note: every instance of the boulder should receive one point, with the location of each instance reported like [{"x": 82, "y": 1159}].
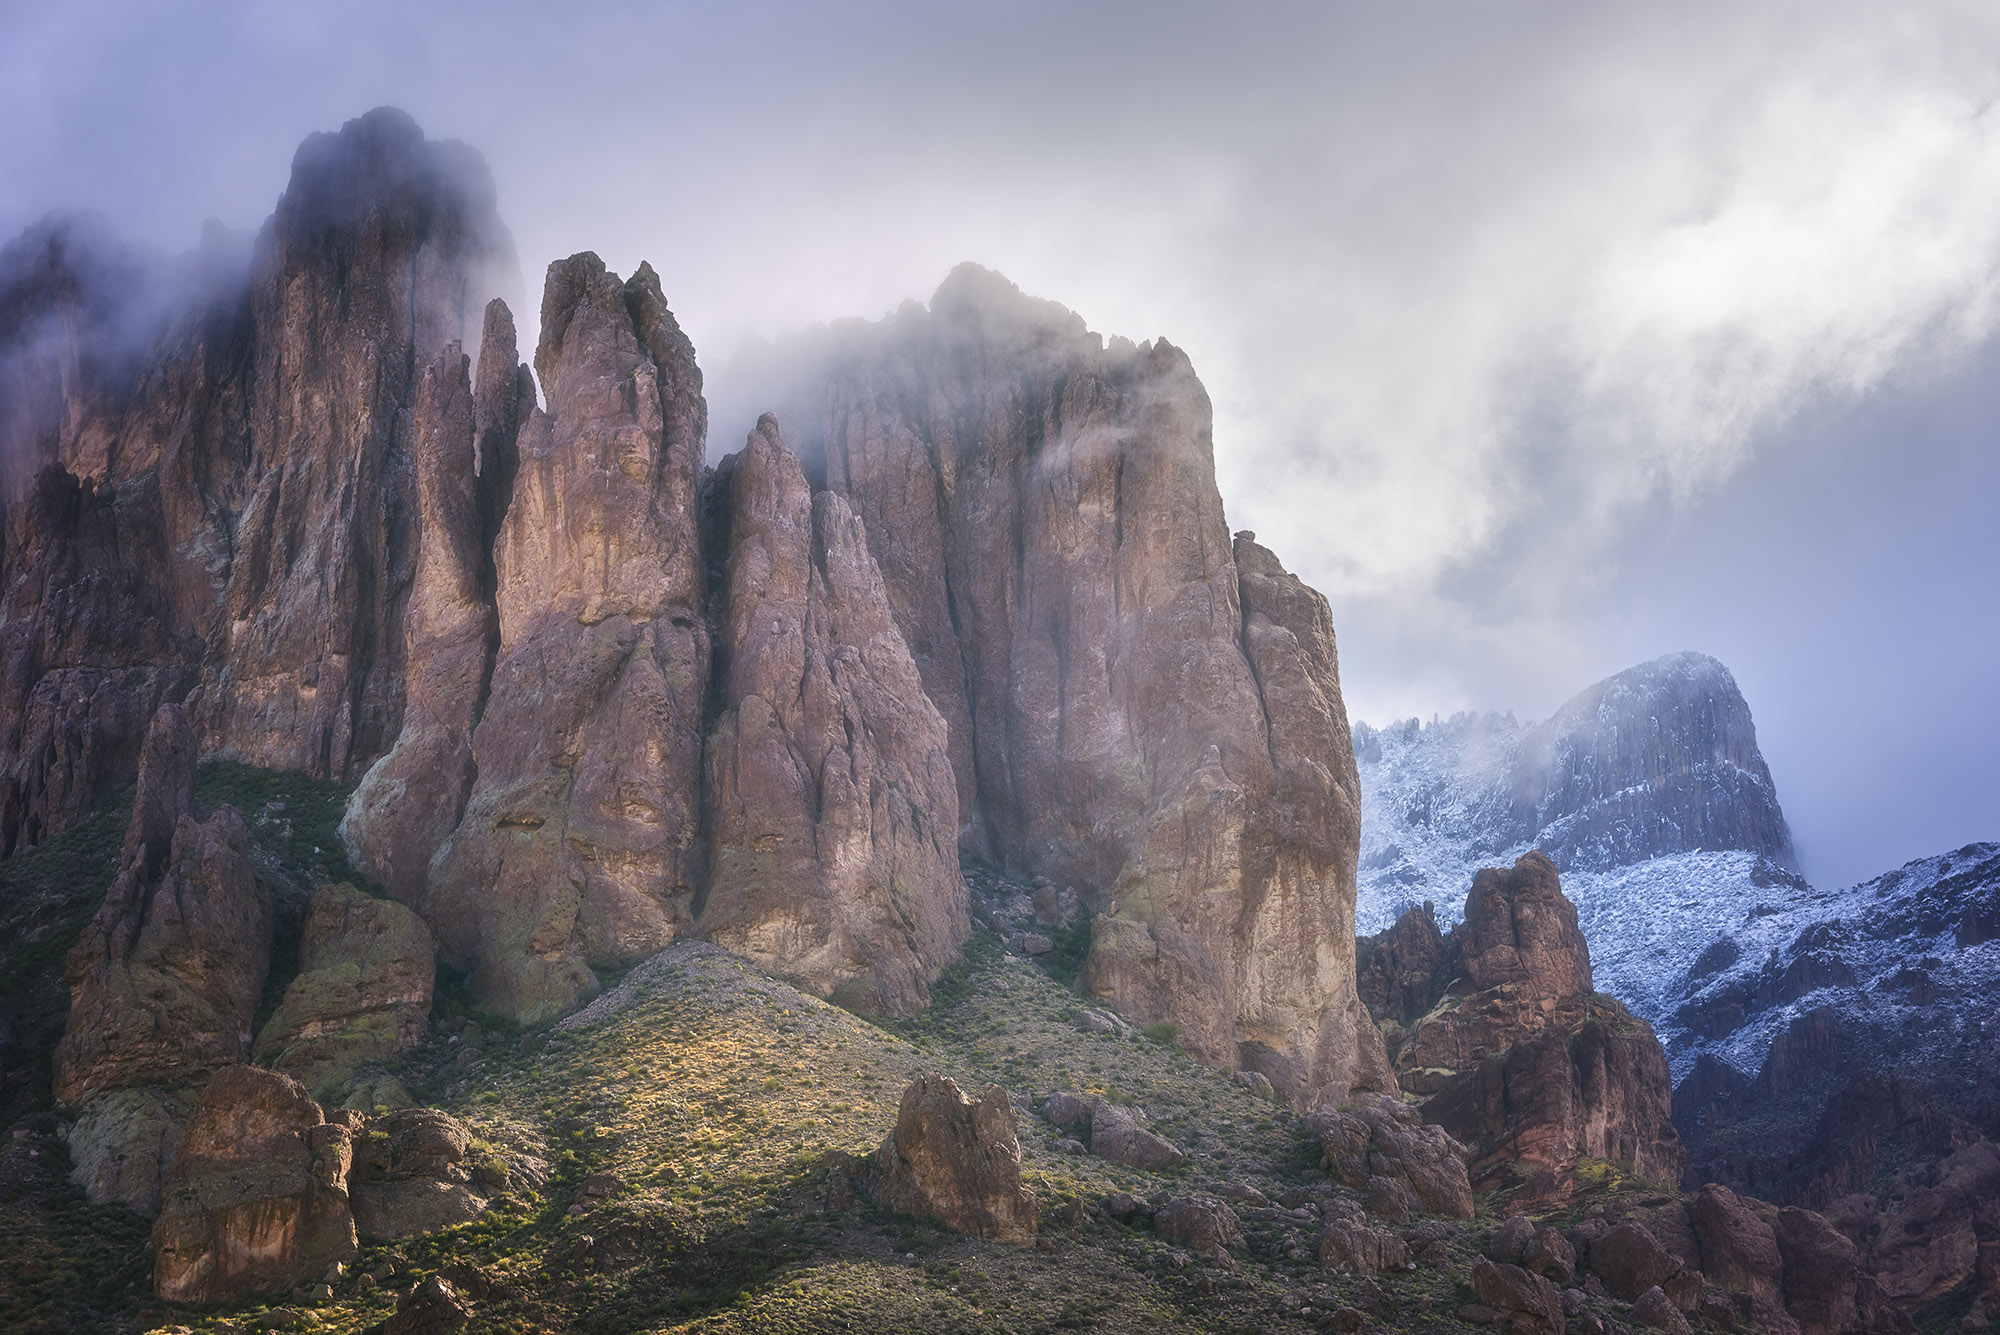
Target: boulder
[
  {"x": 433, "y": 1307},
  {"x": 1347, "y": 1245},
  {"x": 1655, "y": 1311},
  {"x": 1630, "y": 1260},
  {"x": 1532, "y": 1301},
  {"x": 1115, "y": 1134},
  {"x": 122, "y": 1142},
  {"x": 1200, "y": 1224},
  {"x": 411, "y": 1177},
  {"x": 1510, "y": 1241},
  {"x": 957, "y": 1161},
  {"x": 256, "y": 1201},
  {"x": 363, "y": 993},
  {"x": 1549, "y": 1255},
  {"x": 1380, "y": 1136},
  {"x": 830, "y": 806},
  {"x": 579, "y": 840}
]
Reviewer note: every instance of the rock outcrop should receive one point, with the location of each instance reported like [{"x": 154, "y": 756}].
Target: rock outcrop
[
  {"x": 209, "y": 500},
  {"x": 832, "y": 811},
  {"x": 1510, "y": 1049},
  {"x": 1381, "y": 1140},
  {"x": 955, "y": 1160},
  {"x": 578, "y": 841},
  {"x": 1661, "y": 758},
  {"x": 410, "y": 1175},
  {"x": 164, "y": 982},
  {"x": 256, "y": 1202},
  {"x": 411, "y": 799},
  {"x": 1135, "y": 707},
  {"x": 363, "y": 992}
]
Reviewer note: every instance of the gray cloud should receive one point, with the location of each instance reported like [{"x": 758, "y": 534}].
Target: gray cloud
[{"x": 1514, "y": 317}]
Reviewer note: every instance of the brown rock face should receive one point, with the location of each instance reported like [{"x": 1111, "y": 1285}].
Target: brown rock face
[
  {"x": 225, "y": 512},
  {"x": 1135, "y": 707},
  {"x": 410, "y": 1177},
  {"x": 1512, "y": 1051},
  {"x": 578, "y": 842},
  {"x": 956, "y": 1161},
  {"x": 1380, "y": 1137},
  {"x": 363, "y": 993},
  {"x": 411, "y": 800},
  {"x": 256, "y": 1202},
  {"x": 832, "y": 812},
  {"x": 165, "y": 979}
]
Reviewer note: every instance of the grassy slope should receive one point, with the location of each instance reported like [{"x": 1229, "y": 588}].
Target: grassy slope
[{"x": 715, "y": 1094}]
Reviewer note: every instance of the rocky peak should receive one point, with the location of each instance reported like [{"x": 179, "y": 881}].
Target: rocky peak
[
  {"x": 578, "y": 843},
  {"x": 1661, "y": 758},
  {"x": 1520, "y": 928}
]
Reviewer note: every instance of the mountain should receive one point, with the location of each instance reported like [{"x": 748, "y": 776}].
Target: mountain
[{"x": 596, "y": 696}]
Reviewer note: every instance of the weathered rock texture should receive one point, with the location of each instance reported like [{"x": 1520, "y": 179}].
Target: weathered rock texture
[
  {"x": 1380, "y": 1139},
  {"x": 164, "y": 982},
  {"x": 256, "y": 1202},
  {"x": 410, "y": 1175},
  {"x": 208, "y": 494},
  {"x": 411, "y": 800},
  {"x": 1661, "y": 758},
  {"x": 1136, "y": 707},
  {"x": 363, "y": 992},
  {"x": 578, "y": 842},
  {"x": 1793, "y": 1272},
  {"x": 956, "y": 1160},
  {"x": 1511, "y": 1050},
  {"x": 832, "y": 810}
]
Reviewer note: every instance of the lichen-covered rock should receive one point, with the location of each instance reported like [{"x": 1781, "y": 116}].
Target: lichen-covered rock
[
  {"x": 1351, "y": 1246},
  {"x": 363, "y": 993},
  {"x": 410, "y": 800},
  {"x": 410, "y": 1175},
  {"x": 256, "y": 1202},
  {"x": 957, "y": 1161},
  {"x": 578, "y": 842},
  {"x": 832, "y": 812},
  {"x": 122, "y": 1142}
]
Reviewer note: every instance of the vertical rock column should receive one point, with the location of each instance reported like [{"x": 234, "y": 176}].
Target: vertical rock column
[
  {"x": 578, "y": 842},
  {"x": 831, "y": 801},
  {"x": 411, "y": 800}
]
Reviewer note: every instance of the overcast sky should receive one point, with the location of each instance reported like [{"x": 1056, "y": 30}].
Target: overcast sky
[{"x": 1543, "y": 338}]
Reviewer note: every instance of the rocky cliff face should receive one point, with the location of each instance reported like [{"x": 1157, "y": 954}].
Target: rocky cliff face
[
  {"x": 1136, "y": 707},
  {"x": 832, "y": 807},
  {"x": 1498, "y": 1030},
  {"x": 208, "y": 492},
  {"x": 1024, "y": 627},
  {"x": 1661, "y": 758}
]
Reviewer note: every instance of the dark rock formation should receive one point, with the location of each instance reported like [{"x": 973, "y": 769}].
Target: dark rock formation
[
  {"x": 1135, "y": 707},
  {"x": 957, "y": 1161},
  {"x": 832, "y": 812},
  {"x": 578, "y": 842},
  {"x": 1510, "y": 1049},
  {"x": 363, "y": 992},
  {"x": 1200, "y": 1224},
  {"x": 1532, "y": 1299},
  {"x": 1115, "y": 1134},
  {"x": 1380, "y": 1138},
  {"x": 256, "y": 1202},
  {"x": 1661, "y": 758},
  {"x": 164, "y": 982}
]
